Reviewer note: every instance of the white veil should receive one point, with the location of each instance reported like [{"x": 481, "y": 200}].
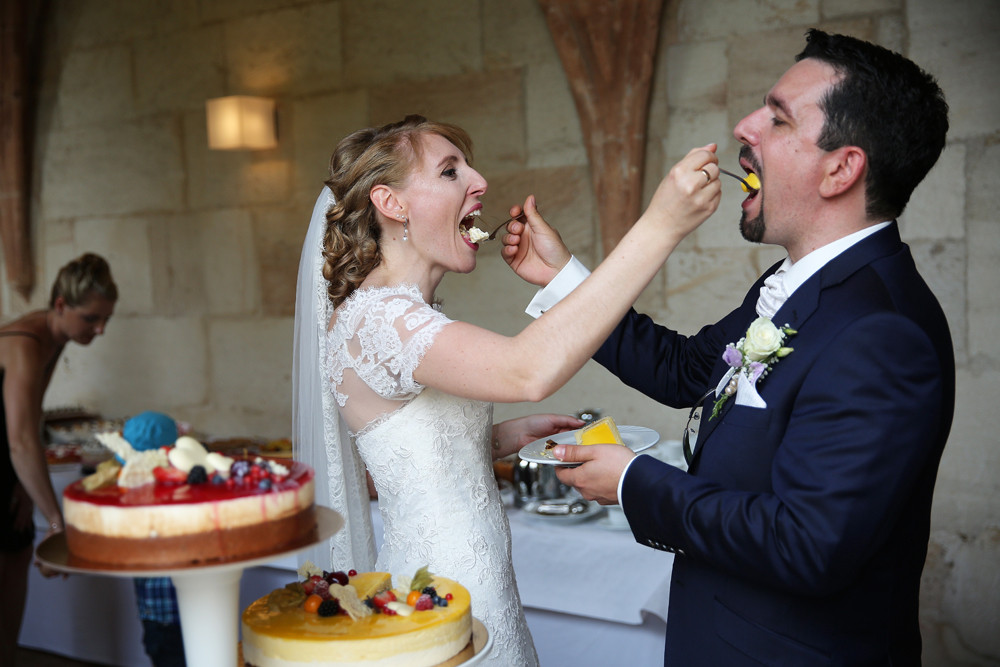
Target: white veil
[{"x": 320, "y": 437}]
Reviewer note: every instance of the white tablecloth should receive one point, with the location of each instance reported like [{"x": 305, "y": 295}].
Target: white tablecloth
[{"x": 592, "y": 596}]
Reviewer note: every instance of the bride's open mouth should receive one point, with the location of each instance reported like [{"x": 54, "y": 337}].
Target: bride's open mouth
[{"x": 468, "y": 229}]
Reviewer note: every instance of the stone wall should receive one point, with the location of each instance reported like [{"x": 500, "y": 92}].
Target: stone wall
[{"x": 204, "y": 245}]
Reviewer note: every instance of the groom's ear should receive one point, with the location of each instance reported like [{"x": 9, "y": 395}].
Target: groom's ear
[
  {"x": 844, "y": 169},
  {"x": 385, "y": 201}
]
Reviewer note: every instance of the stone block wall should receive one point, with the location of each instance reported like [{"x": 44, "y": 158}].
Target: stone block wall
[{"x": 204, "y": 244}]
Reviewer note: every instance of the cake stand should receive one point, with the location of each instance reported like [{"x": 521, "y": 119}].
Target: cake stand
[{"x": 208, "y": 596}]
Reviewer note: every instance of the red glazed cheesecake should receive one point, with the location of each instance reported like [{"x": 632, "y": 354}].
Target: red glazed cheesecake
[{"x": 177, "y": 518}]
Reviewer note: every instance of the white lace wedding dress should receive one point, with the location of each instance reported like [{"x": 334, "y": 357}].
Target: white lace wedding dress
[{"x": 429, "y": 455}]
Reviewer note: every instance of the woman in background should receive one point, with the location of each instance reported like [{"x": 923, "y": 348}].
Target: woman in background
[
  {"x": 382, "y": 372},
  {"x": 81, "y": 303}
]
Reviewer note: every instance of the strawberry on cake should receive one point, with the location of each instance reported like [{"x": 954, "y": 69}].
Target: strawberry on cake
[{"x": 181, "y": 505}]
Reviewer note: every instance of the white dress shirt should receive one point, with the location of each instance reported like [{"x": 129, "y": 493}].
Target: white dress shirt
[{"x": 792, "y": 276}]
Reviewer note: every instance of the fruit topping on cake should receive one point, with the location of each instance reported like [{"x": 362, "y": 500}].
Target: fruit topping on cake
[
  {"x": 182, "y": 461},
  {"x": 602, "y": 431},
  {"x": 357, "y": 595}
]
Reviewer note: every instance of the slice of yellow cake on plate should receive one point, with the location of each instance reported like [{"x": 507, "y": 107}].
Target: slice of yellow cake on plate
[{"x": 604, "y": 431}]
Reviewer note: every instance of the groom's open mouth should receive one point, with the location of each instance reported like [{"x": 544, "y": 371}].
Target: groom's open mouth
[
  {"x": 468, "y": 229},
  {"x": 752, "y": 180}
]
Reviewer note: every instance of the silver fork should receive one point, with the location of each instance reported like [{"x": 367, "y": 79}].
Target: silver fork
[
  {"x": 503, "y": 224},
  {"x": 749, "y": 188}
]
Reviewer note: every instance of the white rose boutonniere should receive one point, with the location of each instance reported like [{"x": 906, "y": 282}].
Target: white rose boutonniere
[{"x": 754, "y": 355}]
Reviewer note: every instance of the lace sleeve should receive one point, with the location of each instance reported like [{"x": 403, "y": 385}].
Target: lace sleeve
[{"x": 393, "y": 331}]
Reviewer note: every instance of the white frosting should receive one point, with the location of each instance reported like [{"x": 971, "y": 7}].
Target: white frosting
[{"x": 476, "y": 234}]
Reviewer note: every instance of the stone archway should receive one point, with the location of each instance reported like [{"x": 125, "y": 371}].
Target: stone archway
[
  {"x": 607, "y": 48},
  {"x": 16, "y": 21}
]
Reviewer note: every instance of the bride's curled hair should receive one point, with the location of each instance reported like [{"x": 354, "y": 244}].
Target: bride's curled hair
[{"x": 366, "y": 158}]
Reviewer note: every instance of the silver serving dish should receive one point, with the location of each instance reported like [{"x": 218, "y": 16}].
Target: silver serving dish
[{"x": 533, "y": 482}]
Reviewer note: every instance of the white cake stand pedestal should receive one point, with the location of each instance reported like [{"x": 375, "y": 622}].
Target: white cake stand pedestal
[
  {"x": 209, "y": 606},
  {"x": 208, "y": 596}
]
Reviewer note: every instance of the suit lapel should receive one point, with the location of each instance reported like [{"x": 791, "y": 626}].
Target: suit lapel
[
  {"x": 800, "y": 306},
  {"x": 803, "y": 303},
  {"x": 748, "y": 313}
]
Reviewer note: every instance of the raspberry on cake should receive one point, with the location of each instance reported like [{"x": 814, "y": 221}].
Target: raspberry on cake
[
  {"x": 179, "y": 505},
  {"x": 316, "y": 622}
]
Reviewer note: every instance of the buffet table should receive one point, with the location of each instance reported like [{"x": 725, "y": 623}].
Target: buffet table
[{"x": 592, "y": 596}]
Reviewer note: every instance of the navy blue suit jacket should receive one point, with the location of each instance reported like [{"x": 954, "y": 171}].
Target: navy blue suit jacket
[{"x": 800, "y": 530}]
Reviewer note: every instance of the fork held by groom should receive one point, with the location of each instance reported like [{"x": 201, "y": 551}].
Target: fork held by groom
[{"x": 801, "y": 527}]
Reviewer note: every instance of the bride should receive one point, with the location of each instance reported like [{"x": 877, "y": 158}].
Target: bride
[{"x": 385, "y": 382}]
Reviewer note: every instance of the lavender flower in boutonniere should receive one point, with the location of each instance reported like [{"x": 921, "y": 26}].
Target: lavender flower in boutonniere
[{"x": 753, "y": 356}]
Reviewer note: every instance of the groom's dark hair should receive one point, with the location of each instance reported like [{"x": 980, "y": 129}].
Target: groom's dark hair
[{"x": 887, "y": 106}]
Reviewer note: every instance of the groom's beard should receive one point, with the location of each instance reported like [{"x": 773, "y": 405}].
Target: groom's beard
[{"x": 754, "y": 228}]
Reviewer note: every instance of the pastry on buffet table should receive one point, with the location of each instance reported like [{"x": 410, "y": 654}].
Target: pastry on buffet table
[
  {"x": 59, "y": 454},
  {"x": 279, "y": 448},
  {"x": 338, "y": 619},
  {"x": 174, "y": 505},
  {"x": 603, "y": 431}
]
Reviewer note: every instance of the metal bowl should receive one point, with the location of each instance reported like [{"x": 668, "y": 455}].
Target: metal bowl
[{"x": 533, "y": 481}]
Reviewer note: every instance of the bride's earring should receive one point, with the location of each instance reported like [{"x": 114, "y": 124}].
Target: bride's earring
[{"x": 405, "y": 226}]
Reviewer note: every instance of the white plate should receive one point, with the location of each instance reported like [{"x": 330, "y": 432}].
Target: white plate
[
  {"x": 637, "y": 438},
  {"x": 482, "y": 644}
]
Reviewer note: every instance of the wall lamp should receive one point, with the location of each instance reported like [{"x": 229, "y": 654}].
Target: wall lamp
[{"x": 241, "y": 122}]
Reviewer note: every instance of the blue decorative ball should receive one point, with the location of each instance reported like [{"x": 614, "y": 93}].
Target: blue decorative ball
[{"x": 150, "y": 430}]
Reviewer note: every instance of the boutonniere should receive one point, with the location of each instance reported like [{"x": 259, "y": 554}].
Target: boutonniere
[{"x": 754, "y": 355}]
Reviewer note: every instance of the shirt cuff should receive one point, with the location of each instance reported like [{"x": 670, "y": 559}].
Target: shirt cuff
[
  {"x": 567, "y": 280},
  {"x": 621, "y": 481}
]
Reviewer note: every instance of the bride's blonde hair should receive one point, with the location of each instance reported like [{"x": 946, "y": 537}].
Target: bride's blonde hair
[{"x": 366, "y": 158}]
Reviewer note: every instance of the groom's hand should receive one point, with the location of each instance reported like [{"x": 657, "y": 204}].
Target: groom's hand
[
  {"x": 597, "y": 477},
  {"x": 532, "y": 248}
]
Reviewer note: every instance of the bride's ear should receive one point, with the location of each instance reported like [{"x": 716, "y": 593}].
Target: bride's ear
[{"x": 386, "y": 202}]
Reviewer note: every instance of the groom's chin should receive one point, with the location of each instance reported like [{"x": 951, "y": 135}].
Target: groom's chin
[{"x": 753, "y": 229}]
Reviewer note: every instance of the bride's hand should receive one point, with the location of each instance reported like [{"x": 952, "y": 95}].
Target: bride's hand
[
  {"x": 688, "y": 194},
  {"x": 510, "y": 436},
  {"x": 531, "y": 247}
]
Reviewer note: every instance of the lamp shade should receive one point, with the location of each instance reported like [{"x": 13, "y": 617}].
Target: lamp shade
[{"x": 241, "y": 122}]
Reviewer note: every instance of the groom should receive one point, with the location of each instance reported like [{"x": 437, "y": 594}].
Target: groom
[{"x": 801, "y": 527}]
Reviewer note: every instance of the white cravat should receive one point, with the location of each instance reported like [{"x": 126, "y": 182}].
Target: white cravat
[{"x": 773, "y": 294}]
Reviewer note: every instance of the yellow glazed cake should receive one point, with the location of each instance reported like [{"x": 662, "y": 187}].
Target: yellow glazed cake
[
  {"x": 321, "y": 622},
  {"x": 601, "y": 432}
]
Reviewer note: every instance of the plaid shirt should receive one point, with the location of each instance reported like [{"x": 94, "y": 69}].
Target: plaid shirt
[{"x": 157, "y": 600}]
